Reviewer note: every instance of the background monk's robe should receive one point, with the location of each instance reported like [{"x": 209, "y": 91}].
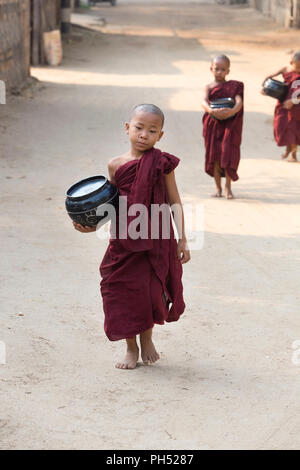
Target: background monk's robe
[
  {"x": 287, "y": 122},
  {"x": 223, "y": 138},
  {"x": 141, "y": 279}
]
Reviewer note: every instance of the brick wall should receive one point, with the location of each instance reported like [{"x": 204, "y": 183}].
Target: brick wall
[{"x": 14, "y": 41}]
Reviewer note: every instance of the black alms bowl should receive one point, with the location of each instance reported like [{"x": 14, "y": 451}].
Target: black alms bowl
[
  {"x": 222, "y": 103},
  {"x": 275, "y": 89},
  {"x": 88, "y": 196}
]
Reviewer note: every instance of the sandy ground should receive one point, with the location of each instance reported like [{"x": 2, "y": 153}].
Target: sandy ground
[{"x": 226, "y": 379}]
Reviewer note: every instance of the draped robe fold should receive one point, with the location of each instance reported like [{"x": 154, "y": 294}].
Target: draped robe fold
[
  {"x": 141, "y": 279},
  {"x": 223, "y": 137},
  {"x": 287, "y": 122}
]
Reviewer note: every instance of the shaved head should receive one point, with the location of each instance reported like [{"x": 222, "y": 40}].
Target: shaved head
[
  {"x": 222, "y": 58},
  {"x": 296, "y": 56},
  {"x": 148, "y": 108}
]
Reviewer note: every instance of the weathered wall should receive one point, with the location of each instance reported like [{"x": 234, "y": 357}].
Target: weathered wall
[
  {"x": 14, "y": 41},
  {"x": 297, "y": 13},
  {"x": 284, "y": 12},
  {"x": 51, "y": 16},
  {"x": 45, "y": 16}
]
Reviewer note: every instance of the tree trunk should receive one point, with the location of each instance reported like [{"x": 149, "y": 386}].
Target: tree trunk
[{"x": 36, "y": 31}]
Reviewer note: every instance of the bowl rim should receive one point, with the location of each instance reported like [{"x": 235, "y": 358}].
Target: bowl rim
[
  {"x": 96, "y": 207},
  {"x": 277, "y": 82},
  {"x": 90, "y": 178}
]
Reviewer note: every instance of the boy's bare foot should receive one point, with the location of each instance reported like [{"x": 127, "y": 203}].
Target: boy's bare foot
[
  {"x": 292, "y": 158},
  {"x": 287, "y": 151},
  {"x": 285, "y": 154},
  {"x": 218, "y": 193},
  {"x": 130, "y": 359},
  {"x": 228, "y": 193},
  {"x": 149, "y": 353}
]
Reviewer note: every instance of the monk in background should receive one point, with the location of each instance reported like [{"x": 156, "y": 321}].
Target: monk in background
[
  {"x": 222, "y": 128},
  {"x": 141, "y": 278},
  {"x": 287, "y": 113}
]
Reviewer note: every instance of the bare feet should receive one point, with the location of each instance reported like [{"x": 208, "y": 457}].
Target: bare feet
[
  {"x": 131, "y": 357},
  {"x": 228, "y": 193},
  {"x": 292, "y": 158},
  {"x": 149, "y": 353},
  {"x": 218, "y": 193},
  {"x": 285, "y": 155}
]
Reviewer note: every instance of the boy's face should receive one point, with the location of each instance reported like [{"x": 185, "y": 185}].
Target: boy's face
[
  {"x": 296, "y": 65},
  {"x": 144, "y": 130},
  {"x": 220, "y": 69}
]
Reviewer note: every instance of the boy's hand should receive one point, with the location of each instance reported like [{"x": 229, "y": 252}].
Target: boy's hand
[
  {"x": 84, "y": 228},
  {"x": 183, "y": 251},
  {"x": 222, "y": 113},
  {"x": 226, "y": 113},
  {"x": 267, "y": 78},
  {"x": 215, "y": 113},
  {"x": 288, "y": 104}
]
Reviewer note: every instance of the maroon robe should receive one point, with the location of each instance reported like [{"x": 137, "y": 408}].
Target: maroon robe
[
  {"x": 287, "y": 122},
  {"x": 223, "y": 137},
  {"x": 141, "y": 279}
]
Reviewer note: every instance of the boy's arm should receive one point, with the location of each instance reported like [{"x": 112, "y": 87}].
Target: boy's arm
[
  {"x": 272, "y": 75},
  {"x": 205, "y": 105},
  {"x": 111, "y": 170},
  {"x": 238, "y": 104},
  {"x": 237, "y": 107},
  {"x": 178, "y": 216},
  {"x": 205, "y": 102}
]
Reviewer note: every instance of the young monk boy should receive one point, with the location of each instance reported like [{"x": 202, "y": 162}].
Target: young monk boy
[
  {"x": 141, "y": 278},
  {"x": 287, "y": 113},
  {"x": 222, "y": 128}
]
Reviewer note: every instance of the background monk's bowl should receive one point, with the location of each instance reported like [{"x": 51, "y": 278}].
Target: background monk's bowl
[
  {"x": 275, "y": 89},
  {"x": 85, "y": 197}
]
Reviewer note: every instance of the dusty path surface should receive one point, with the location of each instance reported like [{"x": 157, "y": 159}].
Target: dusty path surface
[{"x": 226, "y": 379}]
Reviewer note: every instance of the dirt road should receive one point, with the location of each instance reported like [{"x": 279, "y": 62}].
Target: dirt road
[{"x": 226, "y": 379}]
